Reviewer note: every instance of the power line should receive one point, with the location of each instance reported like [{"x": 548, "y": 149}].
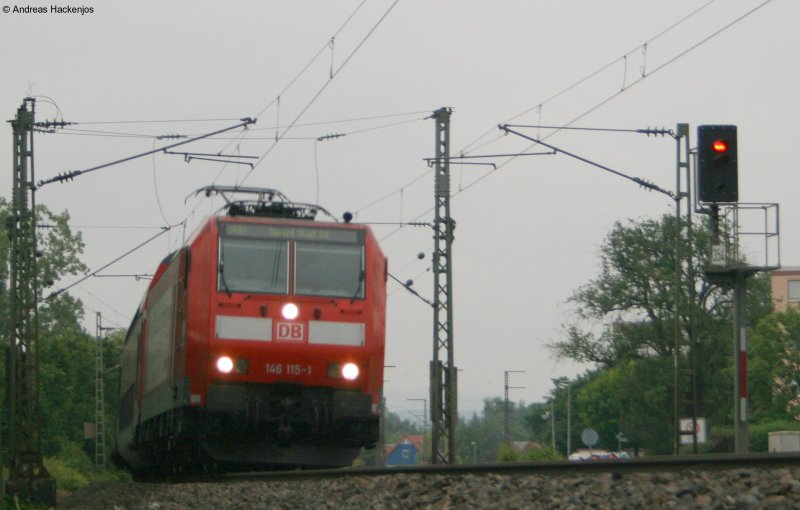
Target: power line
[
  {"x": 637, "y": 180},
  {"x": 388, "y": 195},
  {"x": 344, "y": 121},
  {"x": 72, "y": 174},
  {"x": 109, "y": 227},
  {"x": 609, "y": 98},
  {"x": 294, "y": 124},
  {"x": 592, "y": 74},
  {"x": 162, "y": 121},
  {"x": 68, "y": 176},
  {"x": 70, "y": 131},
  {"x": 87, "y": 307},
  {"x": 636, "y": 82},
  {"x": 93, "y": 273},
  {"x": 313, "y": 59},
  {"x": 93, "y": 132},
  {"x": 155, "y": 186},
  {"x": 333, "y": 74}
]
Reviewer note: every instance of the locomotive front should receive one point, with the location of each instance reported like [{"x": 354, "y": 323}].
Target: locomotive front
[
  {"x": 260, "y": 343},
  {"x": 295, "y": 341}
]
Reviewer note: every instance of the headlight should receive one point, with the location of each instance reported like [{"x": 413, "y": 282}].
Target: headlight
[
  {"x": 290, "y": 311},
  {"x": 224, "y": 364},
  {"x": 350, "y": 371}
]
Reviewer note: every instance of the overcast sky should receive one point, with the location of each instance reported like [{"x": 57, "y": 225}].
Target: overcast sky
[{"x": 528, "y": 234}]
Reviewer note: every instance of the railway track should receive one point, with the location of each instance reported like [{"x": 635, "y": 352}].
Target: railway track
[
  {"x": 718, "y": 481},
  {"x": 633, "y": 465}
]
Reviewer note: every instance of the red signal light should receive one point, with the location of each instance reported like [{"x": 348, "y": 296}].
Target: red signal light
[{"x": 717, "y": 164}]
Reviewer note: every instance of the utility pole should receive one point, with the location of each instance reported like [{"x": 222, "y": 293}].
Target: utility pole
[
  {"x": 444, "y": 407},
  {"x": 553, "y": 424},
  {"x": 682, "y": 155},
  {"x": 382, "y": 436},
  {"x": 507, "y": 429},
  {"x": 99, "y": 400},
  {"x": 728, "y": 271},
  {"x": 28, "y": 478},
  {"x": 566, "y": 383}
]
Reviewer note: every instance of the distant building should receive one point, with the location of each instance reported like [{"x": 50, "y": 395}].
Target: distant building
[
  {"x": 406, "y": 452},
  {"x": 785, "y": 287}
]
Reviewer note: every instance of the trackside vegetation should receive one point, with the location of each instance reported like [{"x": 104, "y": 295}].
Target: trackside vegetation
[{"x": 623, "y": 327}]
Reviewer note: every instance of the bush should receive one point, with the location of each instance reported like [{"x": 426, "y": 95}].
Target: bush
[
  {"x": 540, "y": 454},
  {"x": 720, "y": 440},
  {"x": 67, "y": 478},
  {"x": 507, "y": 453},
  {"x": 75, "y": 457},
  {"x": 759, "y": 433},
  {"x": 723, "y": 439}
]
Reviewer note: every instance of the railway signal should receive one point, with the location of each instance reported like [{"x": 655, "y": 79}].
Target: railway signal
[{"x": 717, "y": 164}]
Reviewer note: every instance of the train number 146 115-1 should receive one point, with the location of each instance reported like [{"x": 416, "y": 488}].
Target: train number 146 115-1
[{"x": 288, "y": 369}]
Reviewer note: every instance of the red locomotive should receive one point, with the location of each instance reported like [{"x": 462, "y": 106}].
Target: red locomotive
[{"x": 259, "y": 344}]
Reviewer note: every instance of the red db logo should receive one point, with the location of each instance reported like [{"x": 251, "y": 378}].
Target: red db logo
[{"x": 290, "y": 331}]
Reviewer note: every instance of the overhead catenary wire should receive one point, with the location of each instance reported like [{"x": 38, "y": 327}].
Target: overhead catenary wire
[
  {"x": 591, "y": 75},
  {"x": 68, "y": 176},
  {"x": 92, "y": 311},
  {"x": 160, "y": 136},
  {"x": 344, "y": 121},
  {"x": 95, "y": 132},
  {"x": 637, "y": 180},
  {"x": 333, "y": 75},
  {"x": 156, "y": 121},
  {"x": 473, "y": 145},
  {"x": 604, "y": 101},
  {"x": 125, "y": 316},
  {"x": 109, "y": 227},
  {"x": 109, "y": 264},
  {"x": 613, "y": 96},
  {"x": 474, "y": 183},
  {"x": 155, "y": 186},
  {"x": 312, "y": 60},
  {"x": 72, "y": 174},
  {"x": 276, "y": 101}
]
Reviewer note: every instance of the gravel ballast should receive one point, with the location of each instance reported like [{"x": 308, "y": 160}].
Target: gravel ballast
[{"x": 716, "y": 489}]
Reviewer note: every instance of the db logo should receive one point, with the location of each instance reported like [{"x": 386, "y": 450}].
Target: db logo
[{"x": 290, "y": 331}]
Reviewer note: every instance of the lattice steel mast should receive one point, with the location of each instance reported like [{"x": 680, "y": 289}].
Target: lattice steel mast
[
  {"x": 99, "y": 399},
  {"x": 27, "y": 477},
  {"x": 444, "y": 406}
]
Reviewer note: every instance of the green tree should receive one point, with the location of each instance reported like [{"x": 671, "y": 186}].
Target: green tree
[
  {"x": 66, "y": 352},
  {"x": 774, "y": 369},
  {"x": 627, "y": 325},
  {"x": 635, "y": 292},
  {"x": 641, "y": 412},
  {"x": 481, "y": 436},
  {"x": 537, "y": 421}
]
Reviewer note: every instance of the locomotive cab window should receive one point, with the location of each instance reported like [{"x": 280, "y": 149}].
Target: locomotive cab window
[
  {"x": 253, "y": 265},
  {"x": 326, "y": 262},
  {"x": 331, "y": 270}
]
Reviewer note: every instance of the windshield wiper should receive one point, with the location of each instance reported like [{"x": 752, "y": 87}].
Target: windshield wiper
[
  {"x": 361, "y": 276},
  {"x": 222, "y": 279}
]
